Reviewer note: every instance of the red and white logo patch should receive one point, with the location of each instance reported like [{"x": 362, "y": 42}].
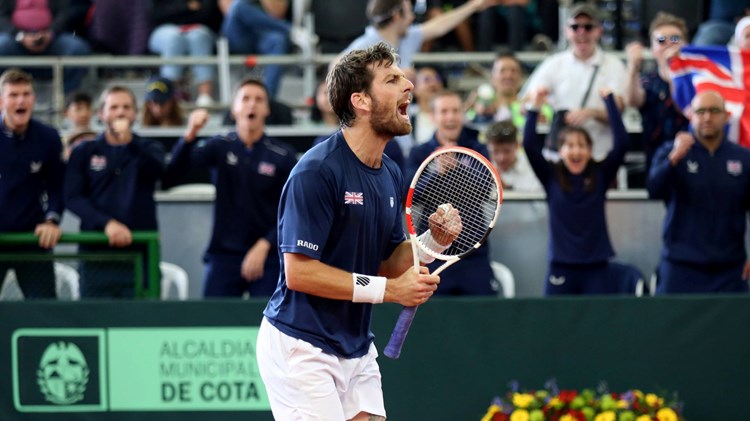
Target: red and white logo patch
[
  {"x": 267, "y": 168},
  {"x": 734, "y": 167},
  {"x": 98, "y": 162}
]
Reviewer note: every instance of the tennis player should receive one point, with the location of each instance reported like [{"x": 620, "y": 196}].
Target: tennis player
[{"x": 343, "y": 249}]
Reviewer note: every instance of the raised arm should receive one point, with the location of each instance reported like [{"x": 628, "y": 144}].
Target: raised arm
[
  {"x": 666, "y": 158},
  {"x": 533, "y": 142},
  {"x": 634, "y": 95},
  {"x": 442, "y": 24},
  {"x": 620, "y": 137}
]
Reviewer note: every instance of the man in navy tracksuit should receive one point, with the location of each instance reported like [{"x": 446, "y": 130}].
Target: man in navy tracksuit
[
  {"x": 110, "y": 184},
  {"x": 31, "y": 174},
  {"x": 705, "y": 182},
  {"x": 472, "y": 275},
  {"x": 249, "y": 171}
]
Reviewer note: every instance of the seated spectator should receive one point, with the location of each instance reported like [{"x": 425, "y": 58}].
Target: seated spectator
[
  {"x": 579, "y": 246},
  {"x": 427, "y": 84},
  {"x": 31, "y": 175},
  {"x": 509, "y": 160},
  {"x": 259, "y": 27},
  {"x": 534, "y": 21},
  {"x": 78, "y": 111},
  {"x": 186, "y": 28},
  {"x": 722, "y": 17},
  {"x": 392, "y": 21},
  {"x": 120, "y": 27},
  {"x": 502, "y": 102},
  {"x": 573, "y": 77},
  {"x": 249, "y": 171},
  {"x": 463, "y": 31},
  {"x": 161, "y": 107},
  {"x": 650, "y": 90},
  {"x": 109, "y": 185},
  {"x": 40, "y": 28},
  {"x": 472, "y": 275}
]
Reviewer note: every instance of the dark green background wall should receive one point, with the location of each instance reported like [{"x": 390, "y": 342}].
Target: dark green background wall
[{"x": 463, "y": 352}]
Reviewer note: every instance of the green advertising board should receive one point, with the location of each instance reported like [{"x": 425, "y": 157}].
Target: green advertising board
[{"x": 137, "y": 369}]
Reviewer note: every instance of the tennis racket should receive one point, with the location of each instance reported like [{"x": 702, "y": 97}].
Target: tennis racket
[{"x": 452, "y": 177}]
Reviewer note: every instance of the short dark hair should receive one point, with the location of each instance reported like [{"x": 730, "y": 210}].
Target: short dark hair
[
  {"x": 14, "y": 77},
  {"x": 501, "y": 133},
  {"x": 78, "y": 97},
  {"x": 352, "y": 73},
  {"x": 381, "y": 12}
]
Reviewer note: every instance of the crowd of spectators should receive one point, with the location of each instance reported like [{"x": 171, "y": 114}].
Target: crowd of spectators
[{"x": 489, "y": 119}]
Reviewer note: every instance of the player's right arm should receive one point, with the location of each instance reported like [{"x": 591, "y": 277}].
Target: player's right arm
[{"x": 311, "y": 276}]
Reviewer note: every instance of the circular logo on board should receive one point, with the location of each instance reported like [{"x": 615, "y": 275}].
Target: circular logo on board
[{"x": 63, "y": 373}]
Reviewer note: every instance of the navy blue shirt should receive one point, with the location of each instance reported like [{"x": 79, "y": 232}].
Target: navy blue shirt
[
  {"x": 248, "y": 187},
  {"x": 31, "y": 168},
  {"x": 105, "y": 182},
  {"x": 338, "y": 210},
  {"x": 577, "y": 220},
  {"x": 707, "y": 198}
]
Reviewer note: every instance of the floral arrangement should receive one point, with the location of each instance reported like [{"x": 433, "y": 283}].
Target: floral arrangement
[{"x": 552, "y": 404}]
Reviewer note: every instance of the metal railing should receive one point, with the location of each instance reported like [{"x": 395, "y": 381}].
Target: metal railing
[{"x": 149, "y": 238}]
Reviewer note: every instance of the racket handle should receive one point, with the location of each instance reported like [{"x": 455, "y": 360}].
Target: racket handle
[{"x": 398, "y": 337}]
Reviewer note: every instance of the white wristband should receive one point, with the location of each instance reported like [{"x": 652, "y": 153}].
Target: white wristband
[
  {"x": 429, "y": 242},
  {"x": 368, "y": 289}
]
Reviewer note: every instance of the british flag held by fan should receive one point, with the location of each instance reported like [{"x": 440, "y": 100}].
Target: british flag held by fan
[{"x": 722, "y": 69}]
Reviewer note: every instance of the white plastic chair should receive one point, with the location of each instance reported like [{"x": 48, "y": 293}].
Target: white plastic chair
[
  {"x": 66, "y": 277},
  {"x": 172, "y": 274},
  {"x": 69, "y": 277},
  {"x": 505, "y": 277}
]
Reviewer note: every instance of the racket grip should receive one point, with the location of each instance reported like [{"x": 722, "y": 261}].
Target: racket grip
[{"x": 398, "y": 337}]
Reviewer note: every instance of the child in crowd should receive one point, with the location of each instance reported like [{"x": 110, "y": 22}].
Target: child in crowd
[{"x": 79, "y": 111}]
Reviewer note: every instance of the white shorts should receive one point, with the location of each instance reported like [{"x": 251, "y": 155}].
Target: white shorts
[{"x": 305, "y": 383}]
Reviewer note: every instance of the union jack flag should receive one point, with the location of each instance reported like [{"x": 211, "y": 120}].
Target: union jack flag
[
  {"x": 722, "y": 69},
  {"x": 354, "y": 198}
]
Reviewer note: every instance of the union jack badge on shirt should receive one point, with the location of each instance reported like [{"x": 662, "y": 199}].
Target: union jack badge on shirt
[
  {"x": 266, "y": 168},
  {"x": 98, "y": 162},
  {"x": 734, "y": 167},
  {"x": 354, "y": 198}
]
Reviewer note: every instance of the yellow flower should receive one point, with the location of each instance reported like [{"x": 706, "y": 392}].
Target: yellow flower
[
  {"x": 555, "y": 402},
  {"x": 494, "y": 409},
  {"x": 622, "y": 404},
  {"x": 568, "y": 417},
  {"x": 606, "y": 416},
  {"x": 638, "y": 394},
  {"x": 643, "y": 418},
  {"x": 522, "y": 400},
  {"x": 653, "y": 400},
  {"x": 519, "y": 415},
  {"x": 666, "y": 414}
]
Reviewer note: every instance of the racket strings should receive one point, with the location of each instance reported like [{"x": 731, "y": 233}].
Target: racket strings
[{"x": 465, "y": 183}]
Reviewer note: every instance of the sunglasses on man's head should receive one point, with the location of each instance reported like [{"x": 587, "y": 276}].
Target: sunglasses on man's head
[
  {"x": 674, "y": 39},
  {"x": 585, "y": 26}
]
